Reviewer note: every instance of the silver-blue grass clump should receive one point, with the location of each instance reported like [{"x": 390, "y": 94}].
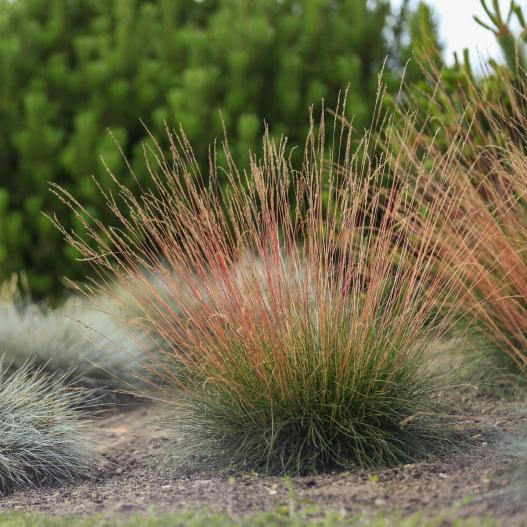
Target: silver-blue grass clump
[
  {"x": 87, "y": 338},
  {"x": 43, "y": 438}
]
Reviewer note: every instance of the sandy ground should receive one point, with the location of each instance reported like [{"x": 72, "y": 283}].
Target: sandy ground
[{"x": 135, "y": 476}]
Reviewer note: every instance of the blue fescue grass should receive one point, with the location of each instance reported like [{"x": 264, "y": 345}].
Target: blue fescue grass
[
  {"x": 43, "y": 439},
  {"x": 82, "y": 337}
]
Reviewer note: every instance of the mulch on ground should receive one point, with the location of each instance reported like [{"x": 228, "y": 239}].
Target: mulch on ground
[{"x": 485, "y": 476}]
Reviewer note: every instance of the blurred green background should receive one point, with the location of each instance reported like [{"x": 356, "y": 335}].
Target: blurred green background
[{"x": 72, "y": 69}]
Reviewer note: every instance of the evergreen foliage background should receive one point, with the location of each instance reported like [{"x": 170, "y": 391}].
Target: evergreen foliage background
[{"x": 71, "y": 69}]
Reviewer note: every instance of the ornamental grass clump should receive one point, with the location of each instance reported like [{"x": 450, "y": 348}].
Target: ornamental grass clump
[
  {"x": 85, "y": 338},
  {"x": 43, "y": 438},
  {"x": 486, "y": 236},
  {"x": 295, "y": 308}
]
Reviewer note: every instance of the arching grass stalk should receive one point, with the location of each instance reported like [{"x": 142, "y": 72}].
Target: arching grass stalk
[{"x": 296, "y": 309}]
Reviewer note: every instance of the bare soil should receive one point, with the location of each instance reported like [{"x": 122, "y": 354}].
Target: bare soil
[{"x": 134, "y": 476}]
